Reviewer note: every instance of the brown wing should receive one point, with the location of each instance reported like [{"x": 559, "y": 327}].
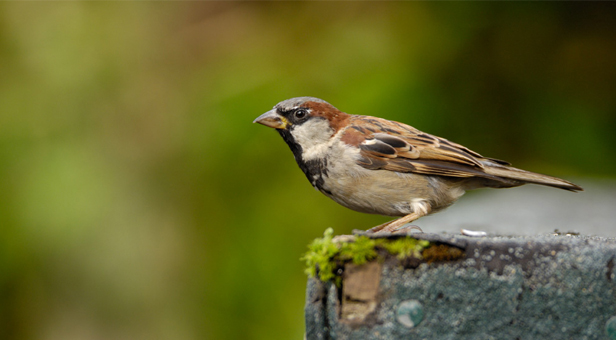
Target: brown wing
[{"x": 398, "y": 147}]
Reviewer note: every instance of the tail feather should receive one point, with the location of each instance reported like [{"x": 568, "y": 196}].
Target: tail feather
[{"x": 512, "y": 173}]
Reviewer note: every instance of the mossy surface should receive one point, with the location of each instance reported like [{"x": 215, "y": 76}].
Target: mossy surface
[
  {"x": 404, "y": 247},
  {"x": 326, "y": 255},
  {"x": 532, "y": 287},
  {"x": 360, "y": 251},
  {"x": 320, "y": 253}
]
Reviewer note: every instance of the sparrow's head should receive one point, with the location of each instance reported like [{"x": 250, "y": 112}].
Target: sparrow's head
[
  {"x": 304, "y": 122},
  {"x": 290, "y": 113}
]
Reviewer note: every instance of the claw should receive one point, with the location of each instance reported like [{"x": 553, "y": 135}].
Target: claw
[{"x": 410, "y": 227}]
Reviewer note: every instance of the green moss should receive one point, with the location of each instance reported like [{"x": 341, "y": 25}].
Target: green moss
[
  {"x": 324, "y": 255},
  {"x": 360, "y": 251},
  {"x": 320, "y": 253},
  {"x": 404, "y": 247}
]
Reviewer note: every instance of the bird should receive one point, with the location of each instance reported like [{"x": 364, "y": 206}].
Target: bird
[{"x": 379, "y": 166}]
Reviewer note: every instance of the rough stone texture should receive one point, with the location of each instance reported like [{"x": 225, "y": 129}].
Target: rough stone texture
[{"x": 540, "y": 287}]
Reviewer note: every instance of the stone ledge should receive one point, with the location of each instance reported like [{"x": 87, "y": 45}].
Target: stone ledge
[{"x": 541, "y": 287}]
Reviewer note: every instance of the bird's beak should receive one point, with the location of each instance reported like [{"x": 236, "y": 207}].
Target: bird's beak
[{"x": 272, "y": 119}]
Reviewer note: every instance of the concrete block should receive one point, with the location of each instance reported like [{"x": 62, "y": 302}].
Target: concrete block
[{"x": 521, "y": 287}]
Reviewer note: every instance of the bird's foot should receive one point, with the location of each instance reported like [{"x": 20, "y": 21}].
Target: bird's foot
[
  {"x": 395, "y": 226},
  {"x": 408, "y": 228}
]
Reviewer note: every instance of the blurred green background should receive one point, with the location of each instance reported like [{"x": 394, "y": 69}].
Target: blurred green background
[{"x": 138, "y": 200}]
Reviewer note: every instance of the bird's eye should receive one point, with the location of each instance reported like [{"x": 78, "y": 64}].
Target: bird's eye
[{"x": 301, "y": 113}]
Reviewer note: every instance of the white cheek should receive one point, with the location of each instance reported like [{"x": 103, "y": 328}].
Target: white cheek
[{"x": 314, "y": 137}]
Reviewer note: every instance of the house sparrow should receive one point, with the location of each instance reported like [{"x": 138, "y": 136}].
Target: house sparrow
[{"x": 378, "y": 166}]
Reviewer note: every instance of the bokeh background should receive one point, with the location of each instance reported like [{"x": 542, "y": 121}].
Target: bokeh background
[{"x": 138, "y": 200}]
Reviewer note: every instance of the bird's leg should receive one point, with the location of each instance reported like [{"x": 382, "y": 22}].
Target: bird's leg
[
  {"x": 409, "y": 227},
  {"x": 391, "y": 226},
  {"x": 379, "y": 227},
  {"x": 419, "y": 210}
]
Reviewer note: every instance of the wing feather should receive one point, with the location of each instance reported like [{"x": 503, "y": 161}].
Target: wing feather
[
  {"x": 398, "y": 147},
  {"x": 393, "y": 146}
]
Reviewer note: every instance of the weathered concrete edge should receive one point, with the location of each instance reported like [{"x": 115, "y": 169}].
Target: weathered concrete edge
[{"x": 535, "y": 272}]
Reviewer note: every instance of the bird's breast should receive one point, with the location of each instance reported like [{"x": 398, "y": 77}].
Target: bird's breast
[{"x": 381, "y": 192}]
